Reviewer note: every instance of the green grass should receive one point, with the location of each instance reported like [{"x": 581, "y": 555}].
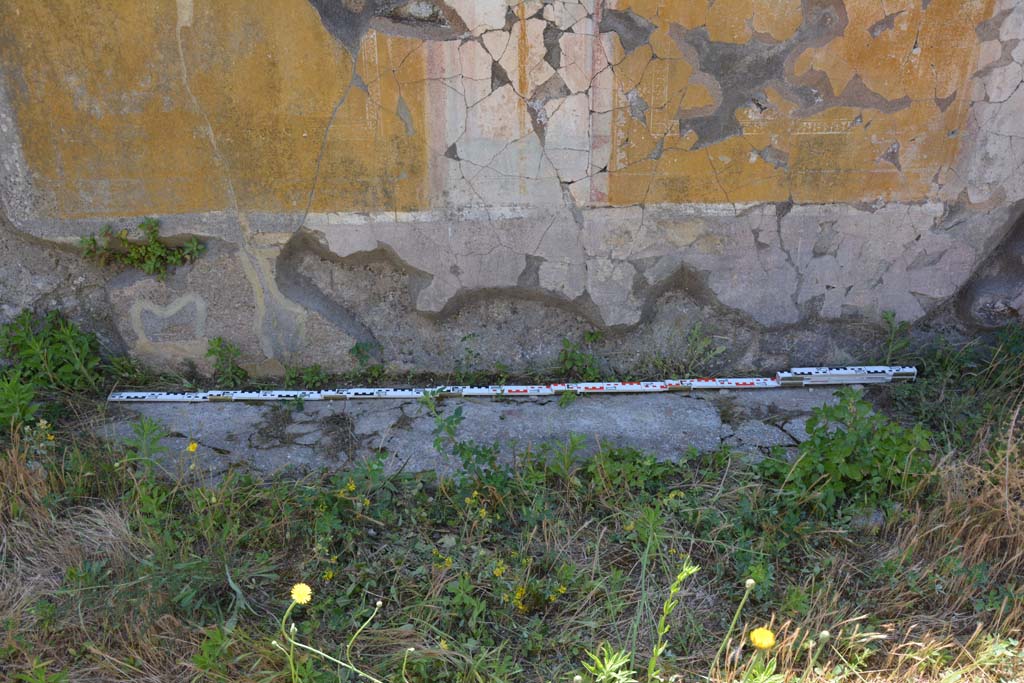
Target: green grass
[
  {"x": 496, "y": 575},
  {"x": 560, "y": 566}
]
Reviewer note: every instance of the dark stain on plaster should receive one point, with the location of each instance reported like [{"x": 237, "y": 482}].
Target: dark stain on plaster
[
  {"x": 741, "y": 72},
  {"x": 990, "y": 28},
  {"x": 348, "y": 20},
  {"x": 892, "y": 155},
  {"x": 300, "y": 289},
  {"x": 406, "y": 116},
  {"x": 776, "y": 157},
  {"x": 883, "y": 25},
  {"x": 658, "y": 150},
  {"x": 499, "y": 76},
  {"x": 632, "y": 29},
  {"x": 637, "y": 106},
  {"x": 552, "y": 48},
  {"x": 688, "y": 281},
  {"x": 552, "y": 89},
  {"x": 530, "y": 277},
  {"x": 943, "y": 102},
  {"x": 856, "y": 94}
]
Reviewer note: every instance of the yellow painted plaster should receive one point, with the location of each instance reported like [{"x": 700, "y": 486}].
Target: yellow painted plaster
[
  {"x": 113, "y": 115},
  {"x": 105, "y": 122},
  {"x": 270, "y": 78},
  {"x": 834, "y": 155}
]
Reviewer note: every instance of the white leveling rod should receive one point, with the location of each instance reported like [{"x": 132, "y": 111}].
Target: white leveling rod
[{"x": 796, "y": 377}]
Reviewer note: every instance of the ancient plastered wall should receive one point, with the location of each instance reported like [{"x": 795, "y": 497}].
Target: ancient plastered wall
[{"x": 777, "y": 161}]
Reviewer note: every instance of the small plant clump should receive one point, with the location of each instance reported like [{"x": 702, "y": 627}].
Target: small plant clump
[
  {"x": 577, "y": 363},
  {"x": 308, "y": 377},
  {"x": 46, "y": 355},
  {"x": 227, "y": 373},
  {"x": 152, "y": 256},
  {"x": 854, "y": 456},
  {"x": 368, "y": 371}
]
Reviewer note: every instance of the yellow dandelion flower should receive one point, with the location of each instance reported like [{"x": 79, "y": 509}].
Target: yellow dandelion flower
[
  {"x": 762, "y": 638},
  {"x": 328, "y": 575},
  {"x": 350, "y": 486},
  {"x": 50, "y": 437},
  {"x": 192, "y": 446},
  {"x": 302, "y": 593},
  {"x": 444, "y": 644}
]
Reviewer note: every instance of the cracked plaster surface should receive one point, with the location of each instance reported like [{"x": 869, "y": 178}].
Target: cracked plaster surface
[{"x": 807, "y": 158}]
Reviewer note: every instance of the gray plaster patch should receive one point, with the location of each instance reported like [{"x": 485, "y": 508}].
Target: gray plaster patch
[
  {"x": 632, "y": 29},
  {"x": 348, "y": 20},
  {"x": 740, "y": 72}
]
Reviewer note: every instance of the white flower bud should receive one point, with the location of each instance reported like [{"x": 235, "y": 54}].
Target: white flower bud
[
  {"x": 380, "y": 603},
  {"x": 824, "y": 636},
  {"x": 750, "y": 584}
]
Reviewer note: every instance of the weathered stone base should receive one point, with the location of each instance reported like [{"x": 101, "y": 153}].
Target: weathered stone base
[
  {"x": 335, "y": 436},
  {"x": 775, "y": 285}
]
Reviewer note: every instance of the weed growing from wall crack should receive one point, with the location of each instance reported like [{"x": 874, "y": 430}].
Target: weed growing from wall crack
[
  {"x": 227, "y": 373},
  {"x": 308, "y": 377},
  {"x": 575, "y": 363},
  {"x": 152, "y": 256}
]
